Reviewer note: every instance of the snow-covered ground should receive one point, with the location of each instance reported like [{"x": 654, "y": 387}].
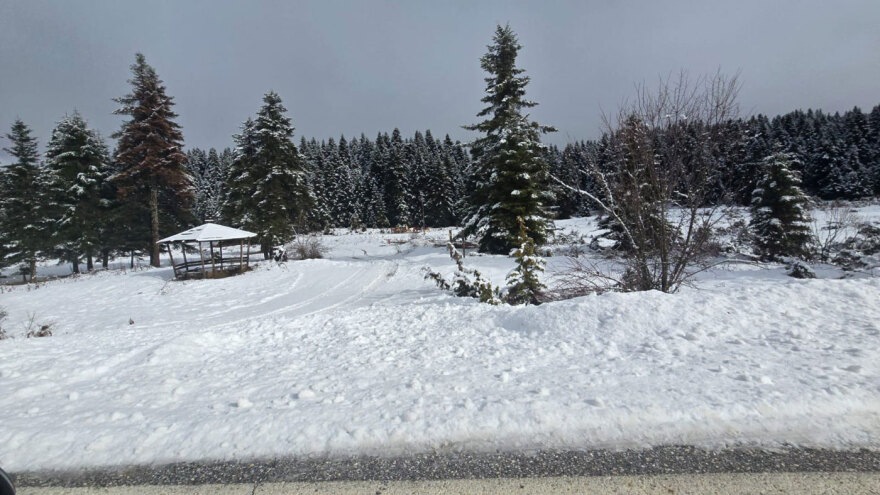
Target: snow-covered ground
[{"x": 357, "y": 353}]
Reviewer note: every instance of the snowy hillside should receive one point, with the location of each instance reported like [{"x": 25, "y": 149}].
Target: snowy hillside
[{"x": 357, "y": 353}]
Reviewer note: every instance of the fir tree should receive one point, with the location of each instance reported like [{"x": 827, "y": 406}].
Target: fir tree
[
  {"x": 208, "y": 171},
  {"x": 268, "y": 187},
  {"x": 77, "y": 165},
  {"x": 441, "y": 191},
  {"x": 396, "y": 171},
  {"x": 150, "y": 153},
  {"x": 510, "y": 174},
  {"x": 23, "y": 234},
  {"x": 523, "y": 283},
  {"x": 779, "y": 217}
]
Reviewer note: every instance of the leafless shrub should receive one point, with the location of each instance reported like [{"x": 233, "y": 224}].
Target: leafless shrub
[
  {"x": 656, "y": 180},
  {"x": 582, "y": 276},
  {"x": 572, "y": 244},
  {"x": 860, "y": 251},
  {"x": 3, "y": 315},
  {"x": 307, "y": 247},
  {"x": 34, "y": 329},
  {"x": 840, "y": 222}
]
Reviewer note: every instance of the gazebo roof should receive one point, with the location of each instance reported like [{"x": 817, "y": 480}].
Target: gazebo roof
[{"x": 209, "y": 232}]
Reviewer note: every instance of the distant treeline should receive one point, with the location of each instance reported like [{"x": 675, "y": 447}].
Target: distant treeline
[{"x": 392, "y": 181}]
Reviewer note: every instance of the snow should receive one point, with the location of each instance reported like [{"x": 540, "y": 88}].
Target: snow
[
  {"x": 209, "y": 232},
  {"x": 358, "y": 354}
]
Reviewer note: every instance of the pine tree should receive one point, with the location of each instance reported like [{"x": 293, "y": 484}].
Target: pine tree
[
  {"x": 268, "y": 185},
  {"x": 510, "y": 175},
  {"x": 779, "y": 216},
  {"x": 23, "y": 234},
  {"x": 440, "y": 191},
  {"x": 523, "y": 283},
  {"x": 874, "y": 144},
  {"x": 397, "y": 176},
  {"x": 208, "y": 171},
  {"x": 77, "y": 168},
  {"x": 150, "y": 153}
]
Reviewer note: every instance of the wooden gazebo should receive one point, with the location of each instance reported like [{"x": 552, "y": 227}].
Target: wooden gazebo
[{"x": 211, "y": 234}]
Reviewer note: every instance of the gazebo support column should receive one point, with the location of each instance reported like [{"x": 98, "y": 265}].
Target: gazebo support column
[
  {"x": 185, "y": 263},
  {"x": 213, "y": 266},
  {"x": 247, "y": 260},
  {"x": 202, "y": 257},
  {"x": 171, "y": 257},
  {"x": 220, "y": 248},
  {"x": 241, "y": 255}
]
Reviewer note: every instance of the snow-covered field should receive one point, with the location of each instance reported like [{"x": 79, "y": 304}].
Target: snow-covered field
[{"x": 357, "y": 353}]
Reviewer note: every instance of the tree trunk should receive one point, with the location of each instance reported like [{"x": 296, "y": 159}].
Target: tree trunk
[
  {"x": 105, "y": 258},
  {"x": 90, "y": 263},
  {"x": 33, "y": 269},
  {"x": 154, "y": 225},
  {"x": 74, "y": 259}
]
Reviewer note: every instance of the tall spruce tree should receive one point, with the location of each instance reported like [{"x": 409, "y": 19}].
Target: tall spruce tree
[
  {"x": 510, "y": 174},
  {"x": 77, "y": 167},
  {"x": 23, "y": 236},
  {"x": 268, "y": 185},
  {"x": 150, "y": 157},
  {"x": 779, "y": 216}
]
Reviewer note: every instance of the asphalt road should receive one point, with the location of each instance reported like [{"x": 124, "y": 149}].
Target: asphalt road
[
  {"x": 433, "y": 470},
  {"x": 682, "y": 484}
]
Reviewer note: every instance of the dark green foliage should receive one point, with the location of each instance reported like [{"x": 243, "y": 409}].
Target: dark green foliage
[
  {"x": 208, "y": 170},
  {"x": 509, "y": 176},
  {"x": 779, "y": 217},
  {"x": 523, "y": 283},
  {"x": 268, "y": 184},
  {"x": 77, "y": 165},
  {"x": 466, "y": 282},
  {"x": 22, "y": 203},
  {"x": 151, "y": 164}
]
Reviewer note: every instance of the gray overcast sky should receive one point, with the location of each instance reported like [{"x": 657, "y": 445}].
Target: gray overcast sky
[{"x": 346, "y": 67}]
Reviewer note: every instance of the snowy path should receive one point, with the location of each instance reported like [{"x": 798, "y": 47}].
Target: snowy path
[{"x": 362, "y": 355}]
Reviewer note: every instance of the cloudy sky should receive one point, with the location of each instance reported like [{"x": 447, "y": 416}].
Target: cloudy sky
[{"x": 347, "y": 67}]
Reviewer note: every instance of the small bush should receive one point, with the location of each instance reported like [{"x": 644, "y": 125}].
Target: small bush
[
  {"x": 307, "y": 248},
  {"x": 34, "y": 329},
  {"x": 799, "y": 269},
  {"x": 466, "y": 282}
]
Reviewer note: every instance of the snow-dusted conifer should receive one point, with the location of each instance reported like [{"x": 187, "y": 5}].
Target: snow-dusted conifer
[
  {"x": 779, "y": 217},
  {"x": 150, "y": 158},
  {"x": 510, "y": 175},
  {"x": 77, "y": 167},
  {"x": 397, "y": 173},
  {"x": 268, "y": 187},
  {"x": 22, "y": 237},
  {"x": 524, "y": 282}
]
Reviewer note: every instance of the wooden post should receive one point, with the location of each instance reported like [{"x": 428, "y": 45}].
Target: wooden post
[
  {"x": 171, "y": 256},
  {"x": 241, "y": 255},
  {"x": 202, "y": 257},
  {"x": 247, "y": 260},
  {"x": 213, "y": 266},
  {"x": 220, "y": 248},
  {"x": 185, "y": 263}
]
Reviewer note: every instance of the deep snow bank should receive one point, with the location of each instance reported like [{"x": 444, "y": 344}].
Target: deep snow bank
[{"x": 362, "y": 355}]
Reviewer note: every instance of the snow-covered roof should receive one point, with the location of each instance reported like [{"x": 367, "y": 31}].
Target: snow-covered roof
[{"x": 209, "y": 232}]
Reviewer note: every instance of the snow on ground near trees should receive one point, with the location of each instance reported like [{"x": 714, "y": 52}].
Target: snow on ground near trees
[{"x": 358, "y": 354}]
